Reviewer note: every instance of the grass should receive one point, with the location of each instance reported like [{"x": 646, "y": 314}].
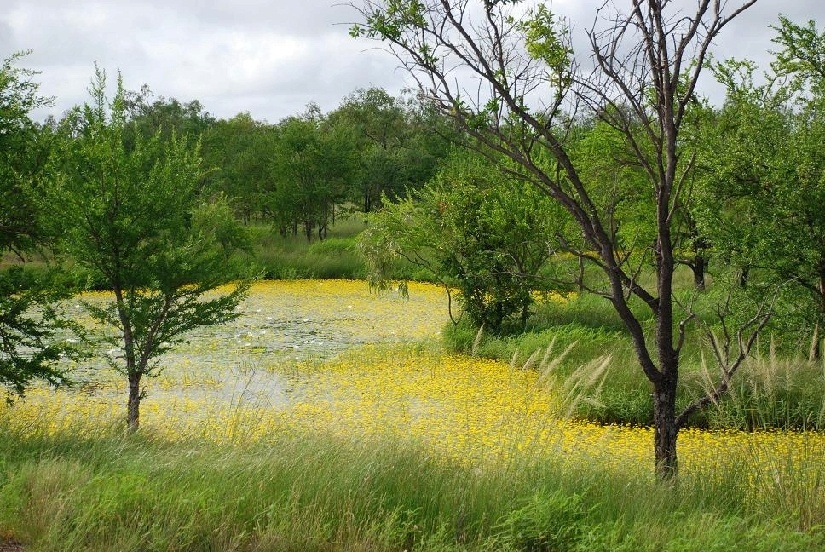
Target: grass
[
  {"x": 316, "y": 492},
  {"x": 294, "y": 257}
]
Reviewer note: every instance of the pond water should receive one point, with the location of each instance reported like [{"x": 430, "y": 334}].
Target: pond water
[{"x": 282, "y": 324}]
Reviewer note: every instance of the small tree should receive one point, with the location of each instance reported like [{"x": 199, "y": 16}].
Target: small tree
[
  {"x": 476, "y": 231},
  {"x": 130, "y": 217},
  {"x": 309, "y": 166}
]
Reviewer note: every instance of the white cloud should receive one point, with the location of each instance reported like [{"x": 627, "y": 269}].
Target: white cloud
[{"x": 270, "y": 58}]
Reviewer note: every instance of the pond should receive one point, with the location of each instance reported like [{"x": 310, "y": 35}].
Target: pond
[{"x": 282, "y": 324}]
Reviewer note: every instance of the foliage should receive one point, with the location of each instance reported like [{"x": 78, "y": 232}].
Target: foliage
[
  {"x": 22, "y": 154},
  {"x": 134, "y": 218},
  {"x": 311, "y": 164},
  {"x": 32, "y": 333},
  {"x": 469, "y": 228},
  {"x": 165, "y": 116},
  {"x": 236, "y": 155},
  {"x": 398, "y": 147},
  {"x": 764, "y": 217}
]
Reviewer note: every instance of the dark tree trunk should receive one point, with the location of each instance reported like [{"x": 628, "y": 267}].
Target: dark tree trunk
[
  {"x": 699, "y": 265},
  {"x": 666, "y": 430},
  {"x": 744, "y": 275},
  {"x": 133, "y": 412},
  {"x": 816, "y": 344}
]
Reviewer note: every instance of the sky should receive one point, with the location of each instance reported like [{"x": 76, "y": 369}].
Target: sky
[{"x": 270, "y": 58}]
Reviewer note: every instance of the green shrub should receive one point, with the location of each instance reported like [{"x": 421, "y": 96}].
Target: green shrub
[{"x": 545, "y": 523}]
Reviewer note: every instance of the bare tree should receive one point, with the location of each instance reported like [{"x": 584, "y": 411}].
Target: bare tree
[{"x": 507, "y": 76}]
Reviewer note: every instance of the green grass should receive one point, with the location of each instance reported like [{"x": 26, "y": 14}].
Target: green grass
[
  {"x": 315, "y": 493},
  {"x": 771, "y": 390},
  {"x": 294, "y": 257}
]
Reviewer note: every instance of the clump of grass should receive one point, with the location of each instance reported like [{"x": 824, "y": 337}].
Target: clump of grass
[{"x": 770, "y": 391}]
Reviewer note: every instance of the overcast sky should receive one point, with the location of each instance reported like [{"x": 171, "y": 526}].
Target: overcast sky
[{"x": 268, "y": 57}]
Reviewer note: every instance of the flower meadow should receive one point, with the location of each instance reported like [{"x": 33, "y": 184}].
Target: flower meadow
[{"x": 331, "y": 357}]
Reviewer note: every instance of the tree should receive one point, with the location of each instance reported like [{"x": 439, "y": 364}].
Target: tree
[
  {"x": 517, "y": 76},
  {"x": 33, "y": 336},
  {"x": 132, "y": 216},
  {"x": 396, "y": 150},
  {"x": 763, "y": 173},
  {"x": 236, "y": 154},
  {"x": 802, "y": 58},
  {"x": 310, "y": 165},
  {"x": 743, "y": 163},
  {"x": 476, "y": 231},
  {"x": 166, "y": 116}
]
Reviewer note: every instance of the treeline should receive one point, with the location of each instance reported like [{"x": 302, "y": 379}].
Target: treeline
[{"x": 300, "y": 173}]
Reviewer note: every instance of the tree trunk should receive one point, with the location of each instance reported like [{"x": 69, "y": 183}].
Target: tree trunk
[
  {"x": 133, "y": 413},
  {"x": 815, "y": 351},
  {"x": 698, "y": 266},
  {"x": 744, "y": 275},
  {"x": 580, "y": 276},
  {"x": 816, "y": 346},
  {"x": 665, "y": 431}
]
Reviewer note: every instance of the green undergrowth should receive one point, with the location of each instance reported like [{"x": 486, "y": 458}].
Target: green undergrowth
[
  {"x": 305, "y": 492},
  {"x": 773, "y": 389}
]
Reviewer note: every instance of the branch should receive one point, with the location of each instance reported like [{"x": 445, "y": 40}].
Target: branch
[{"x": 728, "y": 366}]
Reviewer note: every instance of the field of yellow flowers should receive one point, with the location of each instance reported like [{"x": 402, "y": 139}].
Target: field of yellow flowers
[{"x": 332, "y": 357}]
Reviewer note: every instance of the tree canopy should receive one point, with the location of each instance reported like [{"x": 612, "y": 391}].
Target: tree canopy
[
  {"x": 133, "y": 215},
  {"x": 33, "y": 334}
]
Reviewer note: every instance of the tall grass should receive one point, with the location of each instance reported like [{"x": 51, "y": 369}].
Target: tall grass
[
  {"x": 771, "y": 390},
  {"x": 294, "y": 257},
  {"x": 310, "y": 492}
]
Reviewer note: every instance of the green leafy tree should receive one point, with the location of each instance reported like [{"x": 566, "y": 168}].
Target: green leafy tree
[
  {"x": 517, "y": 76},
  {"x": 396, "y": 149},
  {"x": 132, "y": 217},
  {"x": 745, "y": 167},
  {"x": 763, "y": 174},
  {"x": 476, "y": 231},
  {"x": 802, "y": 58},
  {"x": 237, "y": 154},
  {"x": 165, "y": 116},
  {"x": 33, "y": 335},
  {"x": 310, "y": 166}
]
